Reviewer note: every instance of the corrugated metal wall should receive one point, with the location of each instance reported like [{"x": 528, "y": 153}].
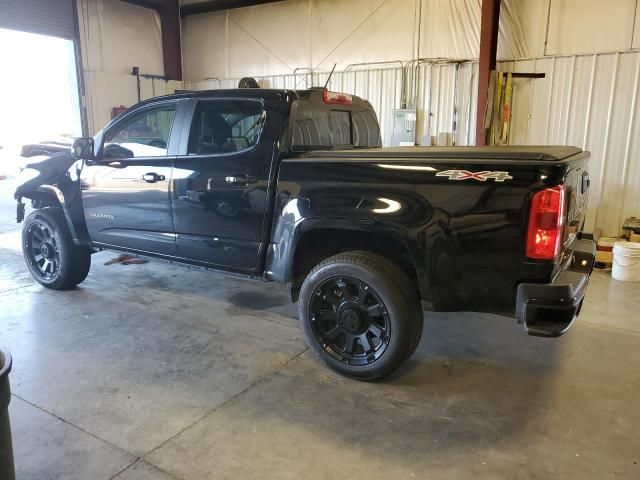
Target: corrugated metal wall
[
  {"x": 584, "y": 100},
  {"x": 589, "y": 101}
]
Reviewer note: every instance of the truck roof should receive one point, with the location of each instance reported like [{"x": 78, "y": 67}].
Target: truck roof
[
  {"x": 231, "y": 92},
  {"x": 542, "y": 153},
  {"x": 241, "y": 92}
]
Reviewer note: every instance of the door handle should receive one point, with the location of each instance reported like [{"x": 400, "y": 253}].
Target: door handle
[
  {"x": 240, "y": 179},
  {"x": 152, "y": 177}
]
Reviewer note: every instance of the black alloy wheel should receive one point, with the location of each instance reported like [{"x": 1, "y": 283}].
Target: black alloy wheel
[
  {"x": 49, "y": 251},
  {"x": 350, "y": 320},
  {"x": 42, "y": 251},
  {"x": 360, "y": 315}
]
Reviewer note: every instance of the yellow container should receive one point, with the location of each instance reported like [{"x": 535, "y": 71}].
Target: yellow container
[{"x": 604, "y": 257}]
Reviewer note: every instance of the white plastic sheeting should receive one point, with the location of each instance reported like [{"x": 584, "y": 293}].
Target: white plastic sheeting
[
  {"x": 317, "y": 34},
  {"x": 299, "y": 33},
  {"x": 115, "y": 37},
  {"x": 585, "y": 26},
  {"x": 636, "y": 29},
  {"x": 108, "y": 90}
]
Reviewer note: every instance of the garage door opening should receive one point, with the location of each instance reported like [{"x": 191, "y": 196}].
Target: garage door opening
[{"x": 39, "y": 93}]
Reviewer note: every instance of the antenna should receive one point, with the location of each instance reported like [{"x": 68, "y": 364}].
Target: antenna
[{"x": 330, "y": 75}]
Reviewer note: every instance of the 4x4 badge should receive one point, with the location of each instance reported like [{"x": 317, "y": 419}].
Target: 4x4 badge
[{"x": 479, "y": 176}]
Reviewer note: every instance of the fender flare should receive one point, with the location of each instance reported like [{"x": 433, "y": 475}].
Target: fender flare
[
  {"x": 280, "y": 256},
  {"x": 59, "y": 196}
]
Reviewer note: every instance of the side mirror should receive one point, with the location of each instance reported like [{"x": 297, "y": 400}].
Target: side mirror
[{"x": 82, "y": 148}]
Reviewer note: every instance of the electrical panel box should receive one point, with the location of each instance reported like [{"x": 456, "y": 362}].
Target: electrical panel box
[{"x": 404, "y": 127}]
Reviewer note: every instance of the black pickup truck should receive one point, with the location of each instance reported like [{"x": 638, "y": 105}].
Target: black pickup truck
[{"x": 294, "y": 187}]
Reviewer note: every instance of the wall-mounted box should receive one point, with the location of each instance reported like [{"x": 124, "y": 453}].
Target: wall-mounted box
[{"x": 404, "y": 127}]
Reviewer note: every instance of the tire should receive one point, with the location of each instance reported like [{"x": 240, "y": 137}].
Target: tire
[
  {"x": 68, "y": 264},
  {"x": 412, "y": 298},
  {"x": 358, "y": 314}
]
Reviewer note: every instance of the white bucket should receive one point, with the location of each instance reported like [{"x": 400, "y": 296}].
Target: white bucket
[{"x": 626, "y": 262}]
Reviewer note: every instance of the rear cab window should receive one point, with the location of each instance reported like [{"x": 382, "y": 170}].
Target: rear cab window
[{"x": 320, "y": 126}]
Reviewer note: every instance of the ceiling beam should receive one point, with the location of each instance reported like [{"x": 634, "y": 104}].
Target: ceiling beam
[
  {"x": 152, "y": 4},
  {"x": 217, "y": 5}
]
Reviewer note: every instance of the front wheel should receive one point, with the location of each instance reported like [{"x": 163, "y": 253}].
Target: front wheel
[
  {"x": 357, "y": 311},
  {"x": 49, "y": 252}
]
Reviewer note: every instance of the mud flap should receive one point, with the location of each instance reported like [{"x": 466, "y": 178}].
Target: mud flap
[{"x": 19, "y": 212}]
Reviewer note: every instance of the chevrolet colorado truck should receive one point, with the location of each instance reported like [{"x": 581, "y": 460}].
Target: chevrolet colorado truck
[{"x": 294, "y": 187}]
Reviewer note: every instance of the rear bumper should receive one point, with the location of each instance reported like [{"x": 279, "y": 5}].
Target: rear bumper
[{"x": 548, "y": 310}]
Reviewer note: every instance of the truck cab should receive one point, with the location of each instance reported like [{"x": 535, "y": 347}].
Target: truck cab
[{"x": 192, "y": 177}]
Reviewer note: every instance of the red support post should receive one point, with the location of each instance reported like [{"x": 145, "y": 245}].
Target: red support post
[{"x": 490, "y": 21}]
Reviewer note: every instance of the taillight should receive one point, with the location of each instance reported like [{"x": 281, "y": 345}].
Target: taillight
[
  {"x": 337, "y": 98},
  {"x": 546, "y": 222}
]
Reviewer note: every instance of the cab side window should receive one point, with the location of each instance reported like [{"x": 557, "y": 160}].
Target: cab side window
[
  {"x": 225, "y": 126},
  {"x": 142, "y": 135}
]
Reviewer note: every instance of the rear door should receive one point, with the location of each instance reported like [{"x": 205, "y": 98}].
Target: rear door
[
  {"x": 126, "y": 190},
  {"x": 221, "y": 182}
]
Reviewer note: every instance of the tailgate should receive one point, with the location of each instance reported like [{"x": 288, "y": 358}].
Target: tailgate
[{"x": 577, "y": 183}]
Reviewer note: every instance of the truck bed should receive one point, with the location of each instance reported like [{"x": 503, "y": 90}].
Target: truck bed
[{"x": 463, "y": 211}]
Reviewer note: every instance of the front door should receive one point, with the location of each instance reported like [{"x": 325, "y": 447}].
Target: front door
[
  {"x": 220, "y": 184},
  {"x": 126, "y": 195}
]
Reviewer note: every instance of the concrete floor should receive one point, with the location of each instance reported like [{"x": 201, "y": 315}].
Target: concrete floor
[{"x": 156, "y": 372}]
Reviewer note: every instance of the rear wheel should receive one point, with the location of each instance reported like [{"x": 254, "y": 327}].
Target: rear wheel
[
  {"x": 412, "y": 299},
  {"x": 49, "y": 252},
  {"x": 358, "y": 314}
]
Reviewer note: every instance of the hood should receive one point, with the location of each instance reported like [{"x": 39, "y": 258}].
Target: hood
[
  {"x": 43, "y": 170},
  {"x": 47, "y": 148}
]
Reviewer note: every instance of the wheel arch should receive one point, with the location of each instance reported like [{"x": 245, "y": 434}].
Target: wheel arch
[
  {"x": 318, "y": 240},
  {"x": 52, "y": 196}
]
